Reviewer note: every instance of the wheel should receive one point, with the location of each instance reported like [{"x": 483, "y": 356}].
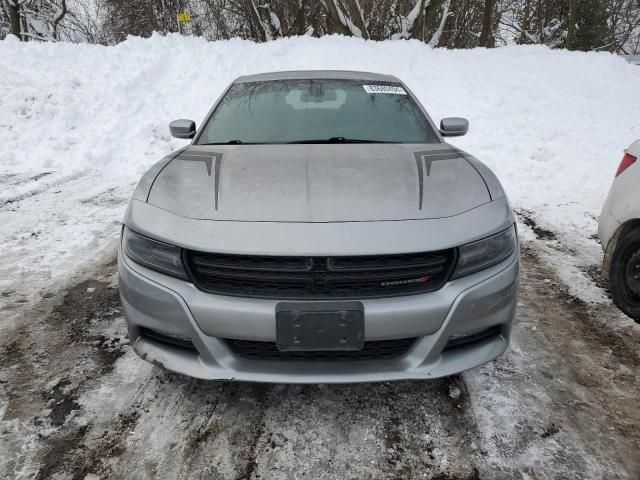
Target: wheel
[{"x": 624, "y": 273}]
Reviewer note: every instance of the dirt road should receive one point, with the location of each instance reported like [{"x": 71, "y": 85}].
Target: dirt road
[{"x": 75, "y": 402}]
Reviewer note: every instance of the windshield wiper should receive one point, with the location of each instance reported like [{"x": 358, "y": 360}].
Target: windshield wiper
[
  {"x": 230, "y": 142},
  {"x": 318, "y": 140},
  {"x": 339, "y": 140}
]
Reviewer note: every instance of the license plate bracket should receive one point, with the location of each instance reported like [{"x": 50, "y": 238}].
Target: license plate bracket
[{"x": 319, "y": 326}]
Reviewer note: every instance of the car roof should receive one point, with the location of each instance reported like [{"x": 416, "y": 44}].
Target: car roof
[{"x": 317, "y": 74}]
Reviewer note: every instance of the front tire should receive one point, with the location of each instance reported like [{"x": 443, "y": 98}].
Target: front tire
[{"x": 624, "y": 273}]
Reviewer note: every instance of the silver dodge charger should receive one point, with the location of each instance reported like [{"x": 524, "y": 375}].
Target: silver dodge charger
[{"x": 318, "y": 229}]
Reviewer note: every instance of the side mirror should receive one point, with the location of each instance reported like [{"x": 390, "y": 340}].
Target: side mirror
[
  {"x": 454, "y": 126},
  {"x": 182, "y": 128}
]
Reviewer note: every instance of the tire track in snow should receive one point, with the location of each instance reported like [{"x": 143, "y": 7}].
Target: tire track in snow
[
  {"x": 45, "y": 239},
  {"x": 61, "y": 348},
  {"x": 559, "y": 402},
  {"x": 201, "y": 428},
  {"x": 21, "y": 188},
  {"x": 511, "y": 418},
  {"x": 223, "y": 436},
  {"x": 365, "y": 431},
  {"x": 255, "y": 433}
]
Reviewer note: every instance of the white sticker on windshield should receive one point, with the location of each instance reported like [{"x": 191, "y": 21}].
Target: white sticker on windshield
[{"x": 384, "y": 89}]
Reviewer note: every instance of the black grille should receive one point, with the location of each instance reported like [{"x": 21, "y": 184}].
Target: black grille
[
  {"x": 290, "y": 278},
  {"x": 376, "y": 350}
]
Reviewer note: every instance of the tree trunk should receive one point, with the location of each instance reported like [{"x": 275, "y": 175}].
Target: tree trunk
[
  {"x": 301, "y": 26},
  {"x": 569, "y": 43},
  {"x": 437, "y": 30},
  {"x": 430, "y": 23},
  {"x": 58, "y": 19},
  {"x": 359, "y": 21},
  {"x": 524, "y": 24},
  {"x": 13, "y": 10},
  {"x": 259, "y": 32},
  {"x": 334, "y": 20},
  {"x": 487, "y": 38},
  {"x": 417, "y": 29},
  {"x": 343, "y": 19}
]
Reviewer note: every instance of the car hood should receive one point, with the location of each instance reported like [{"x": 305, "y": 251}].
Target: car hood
[{"x": 318, "y": 183}]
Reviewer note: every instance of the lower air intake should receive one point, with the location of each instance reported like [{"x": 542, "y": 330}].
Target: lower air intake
[
  {"x": 171, "y": 340},
  {"x": 375, "y": 350},
  {"x": 473, "y": 338}
]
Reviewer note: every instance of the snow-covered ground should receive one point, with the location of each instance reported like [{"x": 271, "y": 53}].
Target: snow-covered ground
[
  {"x": 80, "y": 123},
  {"x": 87, "y": 120}
]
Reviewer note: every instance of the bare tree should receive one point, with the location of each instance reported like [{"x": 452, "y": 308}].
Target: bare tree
[
  {"x": 35, "y": 19},
  {"x": 571, "y": 27},
  {"x": 612, "y": 25},
  {"x": 340, "y": 20},
  {"x": 12, "y": 9},
  {"x": 487, "y": 37},
  {"x": 623, "y": 19}
]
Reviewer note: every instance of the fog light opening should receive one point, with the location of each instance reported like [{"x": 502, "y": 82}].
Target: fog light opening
[
  {"x": 473, "y": 336},
  {"x": 167, "y": 339}
]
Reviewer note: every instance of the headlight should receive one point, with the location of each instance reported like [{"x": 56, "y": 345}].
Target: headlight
[
  {"x": 155, "y": 255},
  {"x": 485, "y": 253}
]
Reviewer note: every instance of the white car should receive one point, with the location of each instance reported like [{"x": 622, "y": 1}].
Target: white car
[{"x": 619, "y": 232}]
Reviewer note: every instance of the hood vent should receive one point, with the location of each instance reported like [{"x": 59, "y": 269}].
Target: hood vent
[
  {"x": 211, "y": 160},
  {"x": 423, "y": 163}
]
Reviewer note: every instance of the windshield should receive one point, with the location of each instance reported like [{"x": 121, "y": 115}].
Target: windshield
[{"x": 317, "y": 111}]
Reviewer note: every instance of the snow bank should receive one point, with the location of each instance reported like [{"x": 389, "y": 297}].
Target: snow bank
[
  {"x": 552, "y": 124},
  {"x": 76, "y": 107}
]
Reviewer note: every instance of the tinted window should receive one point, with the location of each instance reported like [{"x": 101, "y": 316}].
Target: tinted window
[{"x": 309, "y": 110}]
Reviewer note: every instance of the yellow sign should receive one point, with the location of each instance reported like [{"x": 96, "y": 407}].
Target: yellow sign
[{"x": 184, "y": 17}]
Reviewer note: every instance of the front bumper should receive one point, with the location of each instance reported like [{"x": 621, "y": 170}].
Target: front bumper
[{"x": 173, "y": 307}]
